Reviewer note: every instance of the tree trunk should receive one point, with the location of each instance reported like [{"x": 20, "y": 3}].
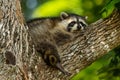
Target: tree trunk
[{"x": 18, "y": 60}]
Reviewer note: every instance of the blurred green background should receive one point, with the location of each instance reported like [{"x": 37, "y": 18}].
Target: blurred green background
[
  {"x": 41, "y": 8},
  {"x": 107, "y": 67}
]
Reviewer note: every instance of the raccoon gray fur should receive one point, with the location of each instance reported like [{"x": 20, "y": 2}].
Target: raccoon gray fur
[{"x": 50, "y": 32}]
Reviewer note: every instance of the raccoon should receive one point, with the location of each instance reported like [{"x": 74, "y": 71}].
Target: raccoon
[{"x": 49, "y": 33}]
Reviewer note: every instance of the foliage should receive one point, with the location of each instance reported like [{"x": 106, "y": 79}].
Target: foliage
[
  {"x": 51, "y": 8},
  {"x": 91, "y": 71},
  {"x": 109, "y": 7},
  {"x": 90, "y": 8},
  {"x": 112, "y": 70}
]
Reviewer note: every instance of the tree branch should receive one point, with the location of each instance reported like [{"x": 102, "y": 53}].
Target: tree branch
[{"x": 98, "y": 39}]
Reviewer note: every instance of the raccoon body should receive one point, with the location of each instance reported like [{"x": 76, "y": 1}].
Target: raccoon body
[
  {"x": 51, "y": 32},
  {"x": 58, "y": 30}
]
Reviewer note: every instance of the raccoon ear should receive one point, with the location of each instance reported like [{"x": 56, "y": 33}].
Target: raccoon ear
[
  {"x": 63, "y": 15},
  {"x": 86, "y": 17}
]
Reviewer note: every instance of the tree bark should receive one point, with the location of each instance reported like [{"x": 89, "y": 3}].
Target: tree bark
[
  {"x": 14, "y": 45},
  {"x": 18, "y": 58}
]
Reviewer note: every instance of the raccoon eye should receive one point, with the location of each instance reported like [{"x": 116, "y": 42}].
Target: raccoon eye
[
  {"x": 82, "y": 24},
  {"x": 72, "y": 24}
]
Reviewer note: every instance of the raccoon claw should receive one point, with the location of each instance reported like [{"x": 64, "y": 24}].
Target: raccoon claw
[
  {"x": 67, "y": 73},
  {"x": 59, "y": 66}
]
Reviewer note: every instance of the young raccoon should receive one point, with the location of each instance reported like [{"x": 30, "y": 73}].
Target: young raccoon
[{"x": 51, "y": 32}]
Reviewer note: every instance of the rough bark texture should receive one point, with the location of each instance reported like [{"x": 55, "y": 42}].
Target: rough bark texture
[
  {"x": 13, "y": 40},
  {"x": 18, "y": 61}
]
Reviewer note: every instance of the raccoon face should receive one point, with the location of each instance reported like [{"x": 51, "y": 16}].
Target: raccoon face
[{"x": 73, "y": 22}]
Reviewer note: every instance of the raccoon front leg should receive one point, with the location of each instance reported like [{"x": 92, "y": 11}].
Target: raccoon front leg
[{"x": 50, "y": 55}]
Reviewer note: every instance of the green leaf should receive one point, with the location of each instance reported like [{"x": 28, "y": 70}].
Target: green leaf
[{"x": 108, "y": 9}]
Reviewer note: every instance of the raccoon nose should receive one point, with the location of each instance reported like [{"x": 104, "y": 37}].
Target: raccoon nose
[{"x": 78, "y": 27}]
